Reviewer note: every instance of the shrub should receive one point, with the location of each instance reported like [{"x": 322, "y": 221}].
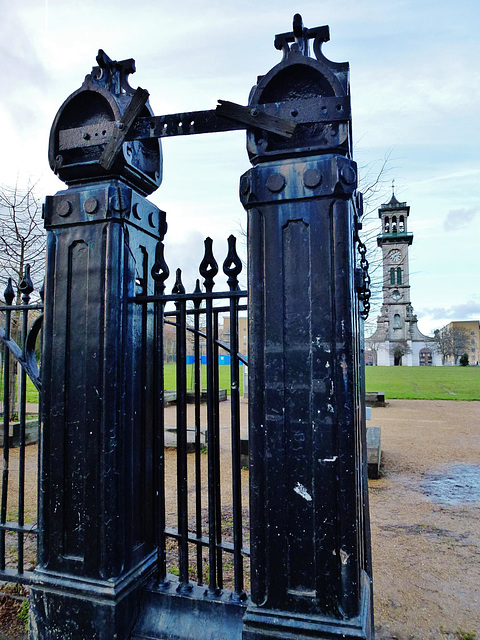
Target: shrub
[{"x": 464, "y": 360}]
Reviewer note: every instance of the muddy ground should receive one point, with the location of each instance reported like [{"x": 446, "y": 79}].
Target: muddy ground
[
  {"x": 425, "y": 535},
  {"x": 425, "y": 521}
]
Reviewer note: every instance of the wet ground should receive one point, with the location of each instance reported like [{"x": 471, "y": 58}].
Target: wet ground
[
  {"x": 425, "y": 514},
  {"x": 455, "y": 484}
]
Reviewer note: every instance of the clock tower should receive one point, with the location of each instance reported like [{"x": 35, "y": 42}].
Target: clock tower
[
  {"x": 394, "y": 241},
  {"x": 397, "y": 339}
]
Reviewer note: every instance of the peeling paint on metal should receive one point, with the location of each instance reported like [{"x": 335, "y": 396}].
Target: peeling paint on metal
[{"x": 301, "y": 490}]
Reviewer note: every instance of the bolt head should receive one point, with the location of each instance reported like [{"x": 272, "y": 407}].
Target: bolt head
[
  {"x": 64, "y": 208},
  {"x": 244, "y": 185},
  {"x": 90, "y": 205},
  {"x": 275, "y": 182},
  {"x": 348, "y": 174},
  {"x": 312, "y": 178}
]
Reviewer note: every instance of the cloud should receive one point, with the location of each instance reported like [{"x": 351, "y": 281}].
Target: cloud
[
  {"x": 466, "y": 311},
  {"x": 458, "y": 218}
]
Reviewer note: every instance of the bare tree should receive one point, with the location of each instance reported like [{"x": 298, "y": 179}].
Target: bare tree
[
  {"x": 398, "y": 349},
  {"x": 22, "y": 237},
  {"x": 372, "y": 349},
  {"x": 22, "y": 242},
  {"x": 443, "y": 340},
  {"x": 451, "y": 343},
  {"x": 373, "y": 183}
]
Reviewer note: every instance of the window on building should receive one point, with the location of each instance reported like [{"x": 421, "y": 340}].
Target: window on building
[
  {"x": 394, "y": 224},
  {"x": 401, "y": 226},
  {"x": 396, "y": 321},
  {"x": 387, "y": 224},
  {"x": 392, "y": 275},
  {"x": 399, "y": 275}
]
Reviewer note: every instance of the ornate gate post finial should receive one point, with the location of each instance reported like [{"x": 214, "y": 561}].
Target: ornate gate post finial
[
  {"x": 300, "y": 36},
  {"x": 113, "y": 75}
]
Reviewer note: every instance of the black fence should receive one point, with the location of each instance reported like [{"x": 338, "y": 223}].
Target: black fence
[
  {"x": 204, "y": 540},
  {"x": 20, "y": 334}
]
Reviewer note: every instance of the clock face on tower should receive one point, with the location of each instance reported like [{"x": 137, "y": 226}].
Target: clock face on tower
[{"x": 395, "y": 256}]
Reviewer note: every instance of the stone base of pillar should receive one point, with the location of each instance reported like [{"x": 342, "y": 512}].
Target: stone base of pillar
[
  {"x": 165, "y": 614},
  {"x": 67, "y": 607},
  {"x": 267, "y": 624}
]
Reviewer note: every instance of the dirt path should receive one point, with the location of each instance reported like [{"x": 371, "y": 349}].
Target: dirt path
[{"x": 426, "y": 553}]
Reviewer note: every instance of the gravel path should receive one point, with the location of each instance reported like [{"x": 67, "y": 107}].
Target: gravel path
[
  {"x": 426, "y": 538},
  {"x": 425, "y": 519}
]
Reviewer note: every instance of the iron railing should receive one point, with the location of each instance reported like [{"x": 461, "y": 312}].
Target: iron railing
[
  {"x": 209, "y": 522},
  {"x": 20, "y": 336}
]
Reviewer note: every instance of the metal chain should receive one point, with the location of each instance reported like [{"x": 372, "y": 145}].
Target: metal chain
[{"x": 364, "y": 292}]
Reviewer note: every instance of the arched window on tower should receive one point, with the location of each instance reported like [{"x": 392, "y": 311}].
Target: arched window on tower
[
  {"x": 401, "y": 226},
  {"x": 392, "y": 275},
  {"x": 399, "y": 275},
  {"x": 394, "y": 224},
  {"x": 396, "y": 321},
  {"x": 387, "y": 224}
]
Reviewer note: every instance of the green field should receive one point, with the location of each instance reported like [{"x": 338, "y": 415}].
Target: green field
[
  {"x": 223, "y": 376},
  {"x": 426, "y": 383},
  {"x": 170, "y": 380},
  {"x": 32, "y": 393}
]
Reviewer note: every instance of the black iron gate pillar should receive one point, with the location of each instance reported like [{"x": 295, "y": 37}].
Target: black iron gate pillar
[
  {"x": 309, "y": 525},
  {"x": 96, "y": 490}
]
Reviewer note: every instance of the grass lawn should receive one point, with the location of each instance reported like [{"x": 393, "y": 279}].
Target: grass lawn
[
  {"x": 223, "y": 375},
  {"x": 32, "y": 393},
  {"x": 426, "y": 383}
]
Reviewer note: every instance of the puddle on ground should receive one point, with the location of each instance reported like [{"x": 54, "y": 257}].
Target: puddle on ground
[{"x": 455, "y": 485}]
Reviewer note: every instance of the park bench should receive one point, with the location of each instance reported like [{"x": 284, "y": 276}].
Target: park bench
[{"x": 375, "y": 399}]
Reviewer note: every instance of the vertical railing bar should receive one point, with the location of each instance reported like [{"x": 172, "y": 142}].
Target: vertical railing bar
[
  {"x": 6, "y": 430},
  {"x": 21, "y": 456},
  {"x": 212, "y": 524},
  {"x": 159, "y": 442},
  {"x": 218, "y": 494},
  {"x": 143, "y": 444},
  {"x": 182, "y": 488},
  {"x": 235, "y": 439},
  {"x": 198, "y": 443},
  {"x": 40, "y": 440}
]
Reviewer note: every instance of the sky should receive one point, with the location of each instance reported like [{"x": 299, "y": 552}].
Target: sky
[{"x": 415, "y": 87}]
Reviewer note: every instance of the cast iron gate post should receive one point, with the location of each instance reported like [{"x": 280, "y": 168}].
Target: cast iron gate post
[
  {"x": 96, "y": 497},
  {"x": 309, "y": 523}
]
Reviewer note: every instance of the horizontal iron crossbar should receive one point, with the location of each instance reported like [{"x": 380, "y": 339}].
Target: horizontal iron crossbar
[
  {"x": 279, "y": 118},
  {"x": 175, "y": 297},
  {"x": 12, "y": 575},
  {"x": 204, "y": 542},
  {"x": 13, "y": 526},
  {"x": 21, "y": 307},
  {"x": 202, "y": 334},
  {"x": 201, "y": 311}
]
